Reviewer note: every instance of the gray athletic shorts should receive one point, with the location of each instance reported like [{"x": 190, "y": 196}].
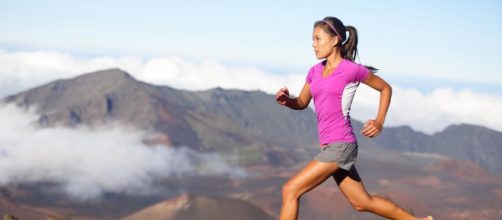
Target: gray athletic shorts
[{"x": 343, "y": 153}]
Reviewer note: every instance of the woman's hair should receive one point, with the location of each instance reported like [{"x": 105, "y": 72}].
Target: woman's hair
[{"x": 348, "y": 47}]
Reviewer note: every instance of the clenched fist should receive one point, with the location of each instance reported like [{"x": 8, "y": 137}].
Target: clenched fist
[{"x": 282, "y": 96}]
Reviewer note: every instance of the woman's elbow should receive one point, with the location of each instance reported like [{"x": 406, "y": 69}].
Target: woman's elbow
[
  {"x": 304, "y": 105},
  {"x": 388, "y": 87}
]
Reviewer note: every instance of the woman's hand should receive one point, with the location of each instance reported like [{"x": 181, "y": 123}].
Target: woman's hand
[
  {"x": 372, "y": 128},
  {"x": 282, "y": 96}
]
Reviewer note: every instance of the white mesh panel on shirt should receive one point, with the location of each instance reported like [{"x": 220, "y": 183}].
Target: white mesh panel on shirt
[{"x": 347, "y": 96}]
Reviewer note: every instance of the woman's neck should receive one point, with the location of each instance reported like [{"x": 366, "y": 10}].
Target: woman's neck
[{"x": 333, "y": 60}]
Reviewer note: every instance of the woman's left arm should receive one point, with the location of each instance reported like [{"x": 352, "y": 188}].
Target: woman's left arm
[{"x": 372, "y": 128}]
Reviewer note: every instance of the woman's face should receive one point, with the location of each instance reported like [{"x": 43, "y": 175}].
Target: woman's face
[{"x": 323, "y": 43}]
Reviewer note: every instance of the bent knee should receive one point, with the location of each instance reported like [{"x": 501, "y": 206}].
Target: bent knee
[
  {"x": 291, "y": 191},
  {"x": 361, "y": 206}
]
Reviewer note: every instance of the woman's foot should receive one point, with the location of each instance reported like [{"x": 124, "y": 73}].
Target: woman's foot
[{"x": 426, "y": 218}]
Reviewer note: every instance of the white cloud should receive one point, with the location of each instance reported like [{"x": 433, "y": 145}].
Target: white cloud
[
  {"x": 432, "y": 112},
  {"x": 208, "y": 74},
  {"x": 428, "y": 112},
  {"x": 24, "y": 70},
  {"x": 85, "y": 163}
]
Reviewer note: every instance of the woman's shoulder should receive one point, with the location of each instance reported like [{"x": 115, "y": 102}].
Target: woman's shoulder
[
  {"x": 355, "y": 71},
  {"x": 318, "y": 65},
  {"x": 316, "y": 68},
  {"x": 351, "y": 66},
  {"x": 350, "y": 63}
]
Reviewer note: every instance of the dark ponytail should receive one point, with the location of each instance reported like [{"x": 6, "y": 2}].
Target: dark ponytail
[{"x": 348, "y": 47}]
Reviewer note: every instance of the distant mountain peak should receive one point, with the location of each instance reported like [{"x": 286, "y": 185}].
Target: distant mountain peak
[
  {"x": 112, "y": 75},
  {"x": 189, "y": 206}
]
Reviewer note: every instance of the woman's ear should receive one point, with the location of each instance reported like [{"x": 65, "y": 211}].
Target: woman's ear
[{"x": 334, "y": 41}]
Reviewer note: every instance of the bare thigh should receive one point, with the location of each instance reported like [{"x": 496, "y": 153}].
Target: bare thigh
[
  {"x": 313, "y": 174},
  {"x": 351, "y": 185}
]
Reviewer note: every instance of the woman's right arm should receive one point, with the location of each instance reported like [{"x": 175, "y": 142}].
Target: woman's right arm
[{"x": 298, "y": 103}]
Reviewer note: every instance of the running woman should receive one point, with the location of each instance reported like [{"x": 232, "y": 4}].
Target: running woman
[{"x": 332, "y": 83}]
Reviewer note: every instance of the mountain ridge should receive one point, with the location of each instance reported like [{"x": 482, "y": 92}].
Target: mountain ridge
[{"x": 231, "y": 121}]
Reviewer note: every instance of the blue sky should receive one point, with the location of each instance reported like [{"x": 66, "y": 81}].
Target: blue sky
[
  {"x": 453, "y": 42},
  {"x": 441, "y": 56}
]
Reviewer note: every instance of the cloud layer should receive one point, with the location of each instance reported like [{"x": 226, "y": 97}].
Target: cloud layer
[
  {"x": 428, "y": 111},
  {"x": 432, "y": 111},
  {"x": 86, "y": 163},
  {"x": 23, "y": 70}
]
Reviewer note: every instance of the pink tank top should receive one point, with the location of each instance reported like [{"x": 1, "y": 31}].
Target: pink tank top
[{"x": 333, "y": 97}]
